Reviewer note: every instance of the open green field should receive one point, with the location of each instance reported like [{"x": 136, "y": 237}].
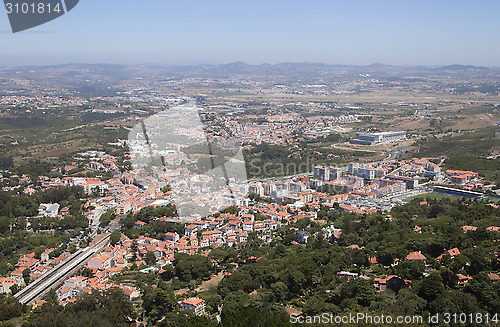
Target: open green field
[
  {"x": 436, "y": 196},
  {"x": 432, "y": 196}
]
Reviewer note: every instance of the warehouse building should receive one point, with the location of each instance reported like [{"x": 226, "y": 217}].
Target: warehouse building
[{"x": 376, "y": 138}]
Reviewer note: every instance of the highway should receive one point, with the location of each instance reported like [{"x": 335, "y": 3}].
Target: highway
[{"x": 57, "y": 275}]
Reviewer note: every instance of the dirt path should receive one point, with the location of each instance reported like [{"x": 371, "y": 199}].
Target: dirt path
[
  {"x": 353, "y": 149},
  {"x": 214, "y": 281}
]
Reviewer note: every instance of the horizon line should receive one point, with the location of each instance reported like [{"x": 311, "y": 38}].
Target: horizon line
[{"x": 214, "y": 63}]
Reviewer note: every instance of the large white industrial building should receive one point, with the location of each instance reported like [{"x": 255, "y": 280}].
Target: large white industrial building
[{"x": 375, "y": 138}]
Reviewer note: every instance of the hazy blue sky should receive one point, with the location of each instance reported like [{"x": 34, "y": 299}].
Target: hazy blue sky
[{"x": 401, "y": 32}]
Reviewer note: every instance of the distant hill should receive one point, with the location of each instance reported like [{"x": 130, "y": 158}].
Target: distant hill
[
  {"x": 99, "y": 76},
  {"x": 463, "y": 68}
]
